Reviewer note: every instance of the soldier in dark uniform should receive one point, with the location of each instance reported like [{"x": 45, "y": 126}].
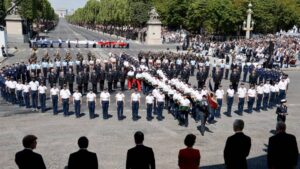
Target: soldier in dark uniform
[
  {"x": 70, "y": 78},
  {"x": 115, "y": 74},
  {"x": 86, "y": 79},
  {"x": 102, "y": 77},
  {"x": 217, "y": 77},
  {"x": 185, "y": 75},
  {"x": 122, "y": 78},
  {"x": 52, "y": 78},
  {"x": 23, "y": 70},
  {"x": 94, "y": 81},
  {"x": 41, "y": 79},
  {"x": 201, "y": 78},
  {"x": 245, "y": 72},
  {"x": 109, "y": 78},
  {"x": 61, "y": 80},
  {"x": 79, "y": 81},
  {"x": 234, "y": 79},
  {"x": 253, "y": 78},
  {"x": 281, "y": 111}
]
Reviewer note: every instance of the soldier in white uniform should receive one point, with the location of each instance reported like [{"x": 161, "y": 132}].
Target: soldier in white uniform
[
  {"x": 91, "y": 103},
  {"x": 77, "y": 99},
  {"x": 120, "y": 100},
  {"x": 251, "y": 95},
  {"x": 242, "y": 92}
]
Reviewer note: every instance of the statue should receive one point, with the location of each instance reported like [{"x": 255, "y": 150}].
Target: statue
[
  {"x": 153, "y": 15},
  {"x": 14, "y": 7}
]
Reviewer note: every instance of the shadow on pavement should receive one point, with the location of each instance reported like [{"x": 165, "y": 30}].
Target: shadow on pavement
[{"x": 259, "y": 162}]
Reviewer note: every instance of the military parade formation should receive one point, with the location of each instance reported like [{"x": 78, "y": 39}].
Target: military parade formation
[{"x": 162, "y": 77}]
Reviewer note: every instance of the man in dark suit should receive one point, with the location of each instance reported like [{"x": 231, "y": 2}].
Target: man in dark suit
[
  {"x": 140, "y": 156},
  {"x": 27, "y": 159},
  {"x": 83, "y": 159},
  {"x": 282, "y": 150},
  {"x": 237, "y": 147}
]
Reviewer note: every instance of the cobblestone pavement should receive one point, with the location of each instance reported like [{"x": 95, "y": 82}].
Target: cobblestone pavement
[{"x": 110, "y": 139}]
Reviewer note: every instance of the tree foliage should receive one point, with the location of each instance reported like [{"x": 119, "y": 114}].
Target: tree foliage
[
  {"x": 210, "y": 16},
  {"x": 37, "y": 10},
  {"x": 112, "y": 12}
]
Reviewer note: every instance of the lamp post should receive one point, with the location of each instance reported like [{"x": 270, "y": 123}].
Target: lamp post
[{"x": 248, "y": 26}]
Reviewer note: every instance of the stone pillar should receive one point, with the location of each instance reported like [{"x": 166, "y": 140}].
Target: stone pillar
[
  {"x": 14, "y": 27},
  {"x": 154, "y": 29},
  {"x": 3, "y": 40}
]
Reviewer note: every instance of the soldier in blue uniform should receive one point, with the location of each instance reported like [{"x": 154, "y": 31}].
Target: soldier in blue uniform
[
  {"x": 2, "y": 85},
  {"x": 245, "y": 72}
]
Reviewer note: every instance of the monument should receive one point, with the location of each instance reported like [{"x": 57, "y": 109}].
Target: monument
[
  {"x": 3, "y": 41},
  {"x": 248, "y": 26},
  {"x": 15, "y": 26},
  {"x": 154, "y": 29}
]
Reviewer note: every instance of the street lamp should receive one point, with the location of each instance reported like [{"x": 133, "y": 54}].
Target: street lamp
[{"x": 248, "y": 26}]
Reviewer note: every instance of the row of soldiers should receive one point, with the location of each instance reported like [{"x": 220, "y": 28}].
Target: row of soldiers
[{"x": 121, "y": 63}]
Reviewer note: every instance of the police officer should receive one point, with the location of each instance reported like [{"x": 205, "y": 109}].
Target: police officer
[
  {"x": 149, "y": 106},
  {"x": 42, "y": 90},
  {"x": 104, "y": 101},
  {"x": 94, "y": 81},
  {"x": 281, "y": 111},
  {"x": 54, "y": 95},
  {"x": 91, "y": 103},
  {"x": 64, "y": 98},
  {"x": 70, "y": 78},
  {"x": 120, "y": 100},
  {"x": 242, "y": 91},
  {"x": 135, "y": 103},
  {"x": 77, "y": 99},
  {"x": 251, "y": 95}
]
